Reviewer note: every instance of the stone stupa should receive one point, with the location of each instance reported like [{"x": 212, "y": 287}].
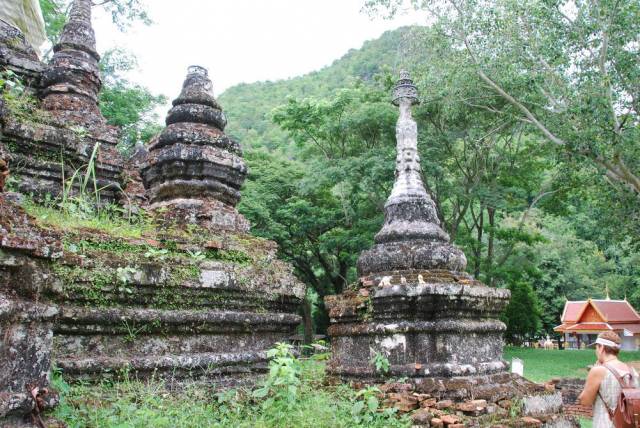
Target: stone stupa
[
  {"x": 415, "y": 305},
  {"x": 55, "y": 141},
  {"x": 194, "y": 172}
]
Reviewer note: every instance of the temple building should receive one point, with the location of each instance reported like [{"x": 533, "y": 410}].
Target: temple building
[{"x": 582, "y": 321}]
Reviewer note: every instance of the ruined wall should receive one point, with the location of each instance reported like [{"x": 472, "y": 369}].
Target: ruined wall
[
  {"x": 26, "y": 319},
  {"x": 193, "y": 296},
  {"x": 570, "y": 390}
]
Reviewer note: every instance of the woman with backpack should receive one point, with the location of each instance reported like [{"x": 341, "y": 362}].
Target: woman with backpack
[{"x": 611, "y": 386}]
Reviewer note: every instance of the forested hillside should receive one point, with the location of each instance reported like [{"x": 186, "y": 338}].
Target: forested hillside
[
  {"x": 534, "y": 217},
  {"x": 248, "y": 106}
]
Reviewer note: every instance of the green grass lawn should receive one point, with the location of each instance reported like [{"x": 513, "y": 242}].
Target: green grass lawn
[{"x": 541, "y": 365}]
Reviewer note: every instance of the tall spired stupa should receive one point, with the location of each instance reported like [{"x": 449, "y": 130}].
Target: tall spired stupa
[{"x": 415, "y": 304}]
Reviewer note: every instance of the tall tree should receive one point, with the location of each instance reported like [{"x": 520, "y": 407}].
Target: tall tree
[{"x": 567, "y": 69}]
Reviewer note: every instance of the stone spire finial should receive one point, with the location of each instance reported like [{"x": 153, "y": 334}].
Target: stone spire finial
[
  {"x": 78, "y": 32},
  {"x": 411, "y": 237},
  {"x": 405, "y": 90},
  {"x": 193, "y": 168}
]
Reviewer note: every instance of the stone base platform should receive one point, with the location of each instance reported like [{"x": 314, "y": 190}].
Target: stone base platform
[
  {"x": 176, "y": 307},
  {"x": 425, "y": 323},
  {"x": 174, "y": 304}
]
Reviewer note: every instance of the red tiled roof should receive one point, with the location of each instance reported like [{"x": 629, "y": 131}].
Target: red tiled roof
[
  {"x": 562, "y": 327},
  {"x": 616, "y": 310},
  {"x": 572, "y": 310},
  {"x": 589, "y": 326}
]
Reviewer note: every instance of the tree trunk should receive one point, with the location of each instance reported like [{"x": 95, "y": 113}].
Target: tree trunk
[
  {"x": 479, "y": 226},
  {"x": 307, "y": 321},
  {"x": 491, "y": 213}
]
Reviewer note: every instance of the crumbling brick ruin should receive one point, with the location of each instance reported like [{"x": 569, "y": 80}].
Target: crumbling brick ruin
[
  {"x": 52, "y": 129},
  {"x": 195, "y": 297}
]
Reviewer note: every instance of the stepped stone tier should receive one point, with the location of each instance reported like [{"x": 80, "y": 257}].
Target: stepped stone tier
[
  {"x": 180, "y": 305},
  {"x": 194, "y": 172},
  {"x": 17, "y": 55},
  {"x": 49, "y": 139}
]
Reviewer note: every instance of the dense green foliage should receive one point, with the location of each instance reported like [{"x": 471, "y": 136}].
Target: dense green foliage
[
  {"x": 249, "y": 106},
  {"x": 531, "y": 216},
  {"x": 125, "y": 104}
]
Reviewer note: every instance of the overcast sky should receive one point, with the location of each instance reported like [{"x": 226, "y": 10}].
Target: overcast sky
[{"x": 242, "y": 40}]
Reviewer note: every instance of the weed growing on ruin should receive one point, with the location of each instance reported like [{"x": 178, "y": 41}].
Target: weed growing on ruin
[
  {"x": 132, "y": 331},
  {"x": 156, "y": 253},
  {"x": 19, "y": 100},
  {"x": 366, "y": 407},
  {"x": 78, "y": 198},
  {"x": 197, "y": 256},
  {"x": 381, "y": 363},
  {"x": 107, "y": 220},
  {"x": 283, "y": 380},
  {"x": 134, "y": 403}
]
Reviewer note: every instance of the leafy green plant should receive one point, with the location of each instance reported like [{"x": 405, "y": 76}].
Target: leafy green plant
[
  {"x": 196, "y": 255},
  {"x": 284, "y": 376},
  {"x": 381, "y": 363},
  {"x": 156, "y": 253},
  {"x": 366, "y": 405},
  {"x": 124, "y": 275}
]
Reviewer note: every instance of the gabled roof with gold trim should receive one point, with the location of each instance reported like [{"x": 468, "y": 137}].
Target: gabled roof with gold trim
[{"x": 599, "y": 315}]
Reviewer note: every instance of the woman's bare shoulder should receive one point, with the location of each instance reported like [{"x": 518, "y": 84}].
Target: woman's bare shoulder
[{"x": 597, "y": 371}]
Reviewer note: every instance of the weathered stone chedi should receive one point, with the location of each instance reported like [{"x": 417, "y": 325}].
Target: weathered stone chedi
[
  {"x": 47, "y": 143},
  {"x": 199, "y": 299},
  {"x": 195, "y": 297},
  {"x": 194, "y": 171},
  {"x": 417, "y": 307}
]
